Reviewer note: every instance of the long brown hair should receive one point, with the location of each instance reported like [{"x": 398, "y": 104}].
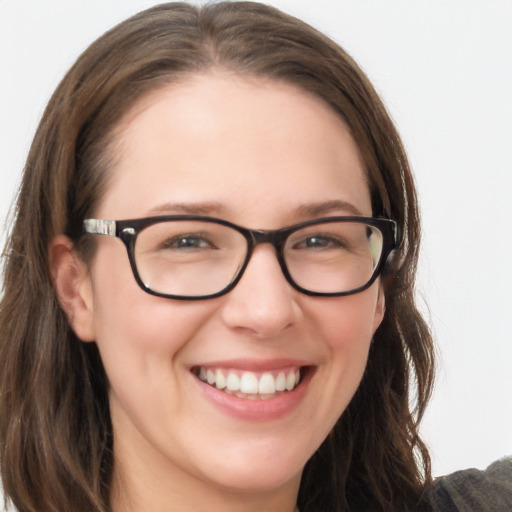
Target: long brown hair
[{"x": 55, "y": 431}]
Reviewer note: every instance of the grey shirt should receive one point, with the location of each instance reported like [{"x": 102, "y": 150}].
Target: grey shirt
[{"x": 473, "y": 490}]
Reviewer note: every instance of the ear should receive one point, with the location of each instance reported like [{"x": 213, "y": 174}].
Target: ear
[
  {"x": 73, "y": 286},
  {"x": 380, "y": 308}
]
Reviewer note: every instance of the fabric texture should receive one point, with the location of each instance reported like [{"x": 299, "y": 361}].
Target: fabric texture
[{"x": 473, "y": 490}]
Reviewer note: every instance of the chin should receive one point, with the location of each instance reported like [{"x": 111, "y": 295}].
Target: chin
[
  {"x": 256, "y": 481},
  {"x": 262, "y": 470}
]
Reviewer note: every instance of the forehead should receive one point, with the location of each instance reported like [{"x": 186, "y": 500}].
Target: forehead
[{"x": 232, "y": 139}]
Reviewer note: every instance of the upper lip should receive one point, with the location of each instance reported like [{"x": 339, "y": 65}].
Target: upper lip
[{"x": 255, "y": 365}]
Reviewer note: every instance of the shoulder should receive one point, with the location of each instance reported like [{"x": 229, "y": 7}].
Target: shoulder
[{"x": 473, "y": 490}]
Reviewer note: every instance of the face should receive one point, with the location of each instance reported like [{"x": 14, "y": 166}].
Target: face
[{"x": 261, "y": 155}]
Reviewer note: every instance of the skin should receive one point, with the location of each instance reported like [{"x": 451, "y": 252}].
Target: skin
[{"x": 259, "y": 151}]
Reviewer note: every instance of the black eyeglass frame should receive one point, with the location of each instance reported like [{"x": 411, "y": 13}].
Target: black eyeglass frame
[{"x": 128, "y": 230}]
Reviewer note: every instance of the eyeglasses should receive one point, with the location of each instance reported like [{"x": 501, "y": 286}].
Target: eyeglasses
[{"x": 192, "y": 257}]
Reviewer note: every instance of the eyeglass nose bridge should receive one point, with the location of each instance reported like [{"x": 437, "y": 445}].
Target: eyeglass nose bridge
[
  {"x": 276, "y": 238},
  {"x": 273, "y": 237}
]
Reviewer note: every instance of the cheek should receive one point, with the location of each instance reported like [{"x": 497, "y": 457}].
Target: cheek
[
  {"x": 347, "y": 323},
  {"x": 137, "y": 332},
  {"x": 141, "y": 339},
  {"x": 344, "y": 329}
]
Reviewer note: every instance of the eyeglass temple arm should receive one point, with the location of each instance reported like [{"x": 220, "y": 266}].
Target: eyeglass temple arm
[{"x": 100, "y": 227}]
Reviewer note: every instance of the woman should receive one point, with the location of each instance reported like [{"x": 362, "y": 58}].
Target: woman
[{"x": 197, "y": 366}]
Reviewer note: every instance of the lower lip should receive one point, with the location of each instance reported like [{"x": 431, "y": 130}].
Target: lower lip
[{"x": 257, "y": 410}]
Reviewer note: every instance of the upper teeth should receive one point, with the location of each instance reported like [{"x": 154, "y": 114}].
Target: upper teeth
[{"x": 251, "y": 383}]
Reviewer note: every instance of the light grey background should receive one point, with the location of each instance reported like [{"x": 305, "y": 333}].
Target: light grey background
[{"x": 444, "y": 70}]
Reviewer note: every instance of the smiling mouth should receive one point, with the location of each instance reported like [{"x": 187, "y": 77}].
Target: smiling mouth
[{"x": 251, "y": 385}]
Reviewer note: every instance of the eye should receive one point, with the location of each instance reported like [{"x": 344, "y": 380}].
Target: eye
[
  {"x": 191, "y": 241},
  {"x": 318, "y": 241}
]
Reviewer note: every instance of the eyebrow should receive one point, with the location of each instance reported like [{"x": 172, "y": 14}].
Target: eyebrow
[
  {"x": 203, "y": 208},
  {"x": 322, "y": 208}
]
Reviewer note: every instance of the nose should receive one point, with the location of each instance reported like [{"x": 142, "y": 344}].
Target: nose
[{"x": 263, "y": 304}]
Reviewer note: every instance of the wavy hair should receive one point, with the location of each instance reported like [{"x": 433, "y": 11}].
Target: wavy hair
[{"x": 56, "y": 441}]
